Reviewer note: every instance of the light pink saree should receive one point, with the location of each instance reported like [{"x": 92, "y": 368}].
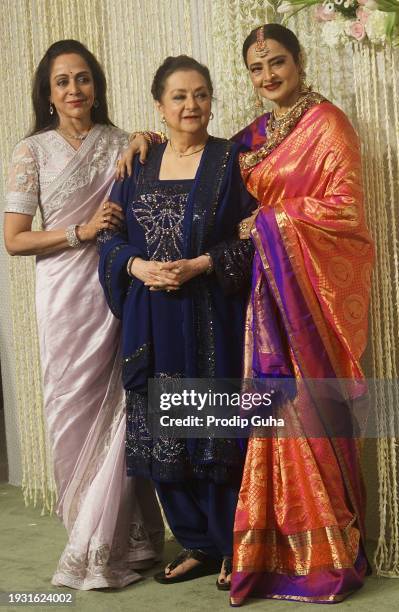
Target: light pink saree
[{"x": 101, "y": 508}]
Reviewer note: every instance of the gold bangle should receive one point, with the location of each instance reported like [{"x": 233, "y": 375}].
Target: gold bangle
[
  {"x": 162, "y": 136},
  {"x": 146, "y": 135},
  {"x": 129, "y": 266},
  {"x": 149, "y": 136},
  {"x": 209, "y": 269}
]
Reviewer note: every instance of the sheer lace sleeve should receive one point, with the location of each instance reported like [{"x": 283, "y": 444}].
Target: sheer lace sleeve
[{"x": 23, "y": 181}]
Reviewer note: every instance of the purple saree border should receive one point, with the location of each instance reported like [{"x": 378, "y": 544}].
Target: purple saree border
[
  {"x": 320, "y": 586},
  {"x": 305, "y": 338}
]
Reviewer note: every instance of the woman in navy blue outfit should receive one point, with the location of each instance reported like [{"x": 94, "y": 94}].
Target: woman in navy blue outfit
[{"x": 178, "y": 277}]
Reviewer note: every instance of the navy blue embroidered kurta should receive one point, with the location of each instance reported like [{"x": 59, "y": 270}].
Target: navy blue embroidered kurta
[{"x": 196, "y": 331}]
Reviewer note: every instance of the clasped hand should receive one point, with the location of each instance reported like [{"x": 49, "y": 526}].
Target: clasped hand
[{"x": 167, "y": 276}]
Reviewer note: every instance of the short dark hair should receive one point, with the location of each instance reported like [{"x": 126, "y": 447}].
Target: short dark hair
[
  {"x": 173, "y": 64},
  {"x": 41, "y": 86},
  {"x": 277, "y": 32}
]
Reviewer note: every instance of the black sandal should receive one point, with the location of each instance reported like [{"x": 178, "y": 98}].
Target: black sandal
[
  {"x": 207, "y": 566},
  {"x": 228, "y": 568}
]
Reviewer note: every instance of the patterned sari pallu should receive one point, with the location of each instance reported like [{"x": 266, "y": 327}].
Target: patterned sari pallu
[{"x": 299, "y": 529}]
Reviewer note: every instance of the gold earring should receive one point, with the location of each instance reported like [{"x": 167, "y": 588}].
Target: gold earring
[
  {"x": 258, "y": 101},
  {"x": 163, "y": 120},
  {"x": 304, "y": 87},
  {"x": 211, "y": 116}
]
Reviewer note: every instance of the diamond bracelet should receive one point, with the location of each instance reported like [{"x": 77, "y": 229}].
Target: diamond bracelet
[{"x": 71, "y": 236}]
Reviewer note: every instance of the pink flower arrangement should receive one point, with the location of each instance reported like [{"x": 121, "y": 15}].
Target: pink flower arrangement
[
  {"x": 356, "y": 29},
  {"x": 375, "y": 21},
  {"x": 325, "y": 12},
  {"x": 362, "y": 15}
]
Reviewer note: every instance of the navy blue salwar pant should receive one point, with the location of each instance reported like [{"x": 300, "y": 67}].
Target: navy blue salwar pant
[{"x": 200, "y": 514}]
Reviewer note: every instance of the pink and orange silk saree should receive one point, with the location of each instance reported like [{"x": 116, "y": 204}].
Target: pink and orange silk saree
[{"x": 299, "y": 528}]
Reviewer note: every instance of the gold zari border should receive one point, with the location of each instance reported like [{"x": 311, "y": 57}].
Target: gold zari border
[{"x": 325, "y": 548}]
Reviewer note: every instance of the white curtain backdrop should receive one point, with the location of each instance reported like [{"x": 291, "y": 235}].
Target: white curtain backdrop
[{"x": 131, "y": 38}]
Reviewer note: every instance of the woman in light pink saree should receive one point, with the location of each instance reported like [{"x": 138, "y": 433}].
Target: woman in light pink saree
[{"x": 66, "y": 169}]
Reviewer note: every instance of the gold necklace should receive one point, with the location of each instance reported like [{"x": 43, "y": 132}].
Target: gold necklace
[
  {"x": 280, "y": 130},
  {"x": 278, "y": 122},
  {"x": 185, "y": 154},
  {"x": 287, "y": 112},
  {"x": 74, "y": 137}
]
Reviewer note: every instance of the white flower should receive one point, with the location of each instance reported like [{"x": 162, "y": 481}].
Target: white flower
[
  {"x": 372, "y": 5},
  {"x": 328, "y": 7},
  {"x": 375, "y": 26},
  {"x": 334, "y": 32}
]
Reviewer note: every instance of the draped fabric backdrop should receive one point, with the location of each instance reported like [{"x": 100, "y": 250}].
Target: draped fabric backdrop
[{"x": 131, "y": 38}]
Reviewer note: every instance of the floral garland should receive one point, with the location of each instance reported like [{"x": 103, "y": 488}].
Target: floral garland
[{"x": 345, "y": 21}]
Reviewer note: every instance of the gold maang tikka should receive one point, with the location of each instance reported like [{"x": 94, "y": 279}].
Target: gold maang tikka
[{"x": 260, "y": 48}]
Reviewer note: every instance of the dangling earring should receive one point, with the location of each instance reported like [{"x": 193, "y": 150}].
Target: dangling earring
[
  {"x": 211, "y": 116},
  {"x": 96, "y": 103},
  {"x": 304, "y": 87},
  {"x": 51, "y": 109},
  {"x": 258, "y": 101},
  {"x": 163, "y": 120}
]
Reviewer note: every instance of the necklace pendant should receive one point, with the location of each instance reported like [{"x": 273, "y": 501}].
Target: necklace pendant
[{"x": 79, "y": 137}]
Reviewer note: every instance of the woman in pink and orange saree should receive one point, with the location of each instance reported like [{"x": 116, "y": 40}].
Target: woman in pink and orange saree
[{"x": 299, "y": 527}]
